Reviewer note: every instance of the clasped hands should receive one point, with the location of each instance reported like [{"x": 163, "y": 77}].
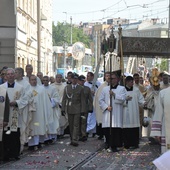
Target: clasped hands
[
  {"x": 128, "y": 98},
  {"x": 14, "y": 103},
  {"x": 112, "y": 93}
]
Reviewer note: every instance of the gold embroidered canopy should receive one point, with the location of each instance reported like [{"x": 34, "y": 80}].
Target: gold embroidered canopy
[{"x": 146, "y": 46}]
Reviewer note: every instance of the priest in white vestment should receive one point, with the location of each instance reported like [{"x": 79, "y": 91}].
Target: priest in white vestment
[
  {"x": 25, "y": 116},
  {"x": 151, "y": 100},
  {"x": 42, "y": 116},
  {"x": 143, "y": 90},
  {"x": 17, "y": 103},
  {"x": 53, "y": 127},
  {"x": 98, "y": 110},
  {"x": 161, "y": 120},
  {"x": 4, "y": 119},
  {"x": 131, "y": 117},
  {"x": 118, "y": 96},
  {"x": 59, "y": 86}
]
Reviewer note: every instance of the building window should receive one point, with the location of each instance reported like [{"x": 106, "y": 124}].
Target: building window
[
  {"x": 164, "y": 33},
  {"x": 18, "y": 62},
  {"x": 23, "y": 64}
]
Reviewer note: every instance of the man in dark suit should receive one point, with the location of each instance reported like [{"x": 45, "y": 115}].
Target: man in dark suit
[
  {"x": 89, "y": 108},
  {"x": 73, "y": 104}
]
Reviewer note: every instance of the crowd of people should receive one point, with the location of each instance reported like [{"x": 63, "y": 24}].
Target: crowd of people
[{"x": 37, "y": 109}]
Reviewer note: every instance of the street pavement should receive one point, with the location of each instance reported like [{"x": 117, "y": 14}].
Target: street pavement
[{"x": 89, "y": 155}]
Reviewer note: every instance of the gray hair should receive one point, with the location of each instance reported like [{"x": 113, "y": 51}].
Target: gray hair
[
  {"x": 8, "y": 69},
  {"x": 20, "y": 70}
]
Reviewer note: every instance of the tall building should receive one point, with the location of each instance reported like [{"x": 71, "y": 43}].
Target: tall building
[{"x": 26, "y": 34}]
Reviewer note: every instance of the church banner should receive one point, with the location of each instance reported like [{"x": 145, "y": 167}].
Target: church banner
[{"x": 149, "y": 47}]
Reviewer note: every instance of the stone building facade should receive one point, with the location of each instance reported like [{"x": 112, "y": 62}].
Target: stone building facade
[{"x": 26, "y": 34}]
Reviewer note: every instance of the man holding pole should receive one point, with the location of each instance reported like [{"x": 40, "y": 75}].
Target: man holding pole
[{"x": 113, "y": 107}]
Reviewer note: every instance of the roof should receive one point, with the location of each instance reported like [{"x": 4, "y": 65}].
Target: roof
[{"x": 155, "y": 26}]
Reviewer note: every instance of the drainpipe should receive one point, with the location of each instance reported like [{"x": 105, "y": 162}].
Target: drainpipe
[{"x": 38, "y": 36}]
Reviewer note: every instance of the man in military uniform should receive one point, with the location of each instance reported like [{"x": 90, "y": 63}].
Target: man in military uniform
[
  {"x": 73, "y": 104},
  {"x": 89, "y": 108}
]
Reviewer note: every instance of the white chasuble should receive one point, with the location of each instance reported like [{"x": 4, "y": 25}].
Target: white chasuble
[
  {"x": 15, "y": 94},
  {"x": 55, "y": 100},
  {"x": 41, "y": 117},
  {"x": 99, "y": 112},
  {"x": 63, "y": 122},
  {"x": 26, "y": 116}
]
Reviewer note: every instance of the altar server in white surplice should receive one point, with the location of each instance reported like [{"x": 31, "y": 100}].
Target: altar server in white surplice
[
  {"x": 17, "y": 102},
  {"x": 118, "y": 95},
  {"x": 25, "y": 116},
  {"x": 131, "y": 117},
  {"x": 53, "y": 127},
  {"x": 42, "y": 116}
]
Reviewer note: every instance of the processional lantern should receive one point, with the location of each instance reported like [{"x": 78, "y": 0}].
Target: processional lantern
[
  {"x": 104, "y": 50},
  {"x": 111, "y": 46},
  {"x": 104, "y": 44},
  {"x": 112, "y": 41}
]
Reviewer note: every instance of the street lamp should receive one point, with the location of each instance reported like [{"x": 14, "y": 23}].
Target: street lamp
[
  {"x": 65, "y": 49},
  {"x": 71, "y": 38},
  {"x": 66, "y": 16}
]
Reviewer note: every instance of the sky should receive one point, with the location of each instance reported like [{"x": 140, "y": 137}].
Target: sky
[{"x": 100, "y": 11}]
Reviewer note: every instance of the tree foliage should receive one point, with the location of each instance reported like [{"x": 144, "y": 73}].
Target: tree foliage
[
  {"x": 62, "y": 34},
  {"x": 164, "y": 65}
]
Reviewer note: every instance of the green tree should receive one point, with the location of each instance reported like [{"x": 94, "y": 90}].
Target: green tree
[
  {"x": 62, "y": 33},
  {"x": 164, "y": 65}
]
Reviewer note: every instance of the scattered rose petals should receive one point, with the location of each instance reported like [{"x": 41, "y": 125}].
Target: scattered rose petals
[{"x": 56, "y": 161}]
